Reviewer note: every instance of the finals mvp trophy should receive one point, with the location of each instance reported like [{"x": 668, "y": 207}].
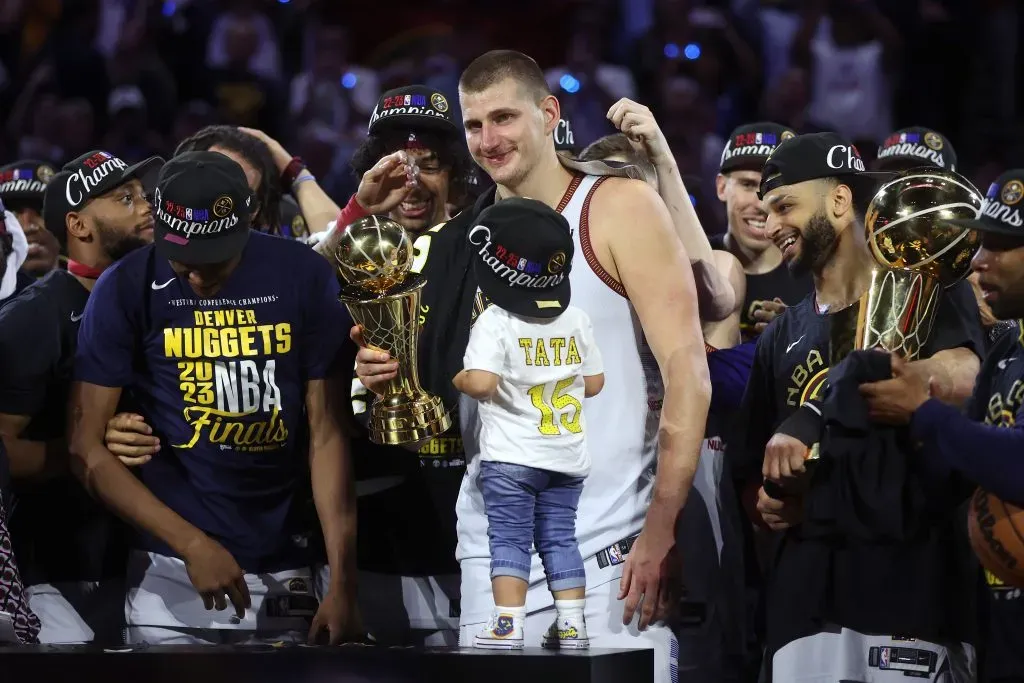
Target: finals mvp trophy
[
  {"x": 374, "y": 256},
  {"x": 918, "y": 254}
]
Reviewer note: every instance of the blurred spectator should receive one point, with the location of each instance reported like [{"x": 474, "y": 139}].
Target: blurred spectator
[
  {"x": 129, "y": 136},
  {"x": 850, "y": 50},
  {"x": 331, "y": 91},
  {"x": 264, "y": 59},
  {"x": 242, "y": 96}
]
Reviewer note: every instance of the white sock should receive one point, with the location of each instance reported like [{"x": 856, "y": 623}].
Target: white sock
[
  {"x": 518, "y": 612},
  {"x": 570, "y": 608}
]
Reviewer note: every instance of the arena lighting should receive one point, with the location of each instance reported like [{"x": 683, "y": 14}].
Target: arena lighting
[
  {"x": 569, "y": 83},
  {"x": 692, "y": 51},
  {"x": 349, "y": 79},
  {"x": 671, "y": 50},
  {"x": 169, "y": 8}
]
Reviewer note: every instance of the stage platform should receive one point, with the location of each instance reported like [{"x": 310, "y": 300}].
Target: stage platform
[{"x": 319, "y": 664}]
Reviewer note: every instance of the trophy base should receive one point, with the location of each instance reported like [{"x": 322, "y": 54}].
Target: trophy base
[{"x": 397, "y": 420}]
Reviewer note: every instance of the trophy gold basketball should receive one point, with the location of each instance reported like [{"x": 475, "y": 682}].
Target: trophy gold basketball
[
  {"x": 917, "y": 254},
  {"x": 374, "y": 256}
]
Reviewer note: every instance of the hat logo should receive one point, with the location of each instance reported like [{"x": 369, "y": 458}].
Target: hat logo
[
  {"x": 852, "y": 161},
  {"x": 44, "y": 173},
  {"x": 438, "y": 102},
  {"x": 787, "y": 134},
  {"x": 1012, "y": 192},
  {"x": 933, "y": 140},
  {"x": 222, "y": 206},
  {"x": 556, "y": 263}
]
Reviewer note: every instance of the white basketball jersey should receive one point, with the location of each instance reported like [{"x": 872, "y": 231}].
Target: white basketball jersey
[{"x": 622, "y": 421}]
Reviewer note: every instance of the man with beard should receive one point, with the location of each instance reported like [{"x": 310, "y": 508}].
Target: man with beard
[
  {"x": 986, "y": 443},
  {"x": 413, "y": 164},
  {"x": 21, "y": 190},
  {"x": 637, "y": 287},
  {"x": 769, "y": 288},
  {"x": 72, "y": 553},
  {"x": 829, "y": 590}
]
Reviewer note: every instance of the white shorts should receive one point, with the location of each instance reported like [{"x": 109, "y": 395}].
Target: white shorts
[
  {"x": 75, "y": 612},
  {"x": 407, "y": 610},
  {"x": 603, "y": 613},
  {"x": 163, "y": 607},
  {"x": 848, "y": 656}
]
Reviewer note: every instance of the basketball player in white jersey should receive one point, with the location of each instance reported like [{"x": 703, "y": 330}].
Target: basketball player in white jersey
[{"x": 632, "y": 278}]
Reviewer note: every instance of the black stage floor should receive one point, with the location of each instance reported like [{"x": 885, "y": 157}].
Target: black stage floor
[{"x": 321, "y": 664}]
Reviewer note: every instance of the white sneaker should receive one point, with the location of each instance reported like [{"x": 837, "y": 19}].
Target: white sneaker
[
  {"x": 503, "y": 632},
  {"x": 567, "y": 633}
]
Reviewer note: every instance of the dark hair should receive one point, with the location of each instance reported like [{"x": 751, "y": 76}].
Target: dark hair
[
  {"x": 497, "y": 65},
  {"x": 268, "y": 194},
  {"x": 862, "y": 188},
  {"x": 451, "y": 153},
  {"x": 618, "y": 144}
]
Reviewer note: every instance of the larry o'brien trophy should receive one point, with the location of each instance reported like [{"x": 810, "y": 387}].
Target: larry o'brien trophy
[
  {"x": 374, "y": 256},
  {"x": 918, "y": 254}
]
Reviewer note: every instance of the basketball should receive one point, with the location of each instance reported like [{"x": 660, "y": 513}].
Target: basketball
[
  {"x": 906, "y": 223},
  {"x": 996, "y": 530}
]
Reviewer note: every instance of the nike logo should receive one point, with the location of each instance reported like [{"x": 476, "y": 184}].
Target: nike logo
[
  {"x": 75, "y": 317},
  {"x": 1002, "y": 364},
  {"x": 790, "y": 347},
  {"x": 154, "y": 285}
]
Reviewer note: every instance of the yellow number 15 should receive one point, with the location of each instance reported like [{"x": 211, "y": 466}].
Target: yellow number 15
[{"x": 569, "y": 409}]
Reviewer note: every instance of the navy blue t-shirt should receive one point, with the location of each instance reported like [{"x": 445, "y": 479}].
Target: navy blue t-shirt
[{"x": 222, "y": 382}]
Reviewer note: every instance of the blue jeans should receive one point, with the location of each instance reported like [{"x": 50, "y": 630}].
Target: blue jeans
[{"x": 527, "y": 506}]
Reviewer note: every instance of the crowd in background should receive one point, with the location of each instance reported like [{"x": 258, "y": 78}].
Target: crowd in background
[{"x": 137, "y": 76}]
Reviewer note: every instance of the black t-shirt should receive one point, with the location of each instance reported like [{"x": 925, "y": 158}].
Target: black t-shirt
[
  {"x": 997, "y": 400},
  {"x": 59, "y": 531},
  {"x": 406, "y": 501},
  {"x": 792, "y": 361},
  {"x": 766, "y": 287}
]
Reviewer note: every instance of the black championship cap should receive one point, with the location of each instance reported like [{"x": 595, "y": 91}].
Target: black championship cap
[
  {"x": 202, "y": 203},
  {"x": 1000, "y": 212},
  {"x": 809, "y": 157},
  {"x": 750, "y": 145},
  {"x": 414, "y": 106},
  {"x": 916, "y": 146},
  {"x": 523, "y": 255},
  {"x": 25, "y": 181}
]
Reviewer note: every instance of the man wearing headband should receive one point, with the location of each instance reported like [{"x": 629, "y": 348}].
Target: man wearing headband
[
  {"x": 413, "y": 164},
  {"x": 72, "y": 552},
  {"x": 984, "y": 444},
  {"x": 813, "y": 190},
  {"x": 21, "y": 190},
  {"x": 227, "y": 339}
]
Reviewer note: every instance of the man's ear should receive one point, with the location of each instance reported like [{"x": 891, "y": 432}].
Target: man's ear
[
  {"x": 76, "y": 226},
  {"x": 841, "y": 201}
]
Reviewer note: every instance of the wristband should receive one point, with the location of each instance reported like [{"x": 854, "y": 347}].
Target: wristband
[
  {"x": 291, "y": 172},
  {"x": 305, "y": 177},
  {"x": 352, "y": 212}
]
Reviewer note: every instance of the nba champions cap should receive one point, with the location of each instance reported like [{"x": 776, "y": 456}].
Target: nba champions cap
[
  {"x": 809, "y": 157},
  {"x": 413, "y": 106},
  {"x": 916, "y": 146},
  {"x": 1000, "y": 212},
  {"x": 523, "y": 254},
  {"x": 25, "y": 181},
  {"x": 751, "y": 144},
  {"x": 201, "y": 209}
]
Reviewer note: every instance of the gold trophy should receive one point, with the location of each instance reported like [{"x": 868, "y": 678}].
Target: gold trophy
[
  {"x": 917, "y": 254},
  {"x": 374, "y": 256}
]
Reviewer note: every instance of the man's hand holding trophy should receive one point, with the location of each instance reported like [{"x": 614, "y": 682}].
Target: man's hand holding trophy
[{"x": 374, "y": 256}]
